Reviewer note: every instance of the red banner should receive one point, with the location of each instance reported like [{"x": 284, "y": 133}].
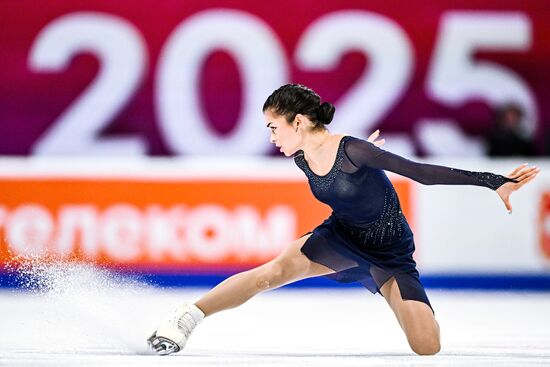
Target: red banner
[{"x": 162, "y": 78}]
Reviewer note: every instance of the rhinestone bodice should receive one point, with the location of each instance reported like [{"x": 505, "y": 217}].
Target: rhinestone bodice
[
  {"x": 364, "y": 202},
  {"x": 322, "y": 182}
]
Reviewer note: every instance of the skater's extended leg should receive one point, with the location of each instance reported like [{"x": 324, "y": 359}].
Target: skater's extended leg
[{"x": 290, "y": 266}]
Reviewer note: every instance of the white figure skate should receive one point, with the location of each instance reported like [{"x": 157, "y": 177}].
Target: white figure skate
[{"x": 173, "y": 333}]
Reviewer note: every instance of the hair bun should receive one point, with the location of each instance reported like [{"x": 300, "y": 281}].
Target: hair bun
[{"x": 326, "y": 113}]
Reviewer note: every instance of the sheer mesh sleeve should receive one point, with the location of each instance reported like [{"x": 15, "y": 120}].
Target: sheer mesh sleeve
[{"x": 362, "y": 153}]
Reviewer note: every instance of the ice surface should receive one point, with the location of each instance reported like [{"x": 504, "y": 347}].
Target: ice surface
[{"x": 92, "y": 318}]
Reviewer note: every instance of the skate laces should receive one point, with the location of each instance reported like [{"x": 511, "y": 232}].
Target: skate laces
[{"x": 185, "y": 323}]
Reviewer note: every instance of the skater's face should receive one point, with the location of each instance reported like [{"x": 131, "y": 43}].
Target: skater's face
[{"x": 286, "y": 136}]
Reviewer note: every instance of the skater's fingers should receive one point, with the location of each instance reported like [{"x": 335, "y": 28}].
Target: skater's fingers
[
  {"x": 520, "y": 173},
  {"x": 527, "y": 174},
  {"x": 524, "y": 181},
  {"x": 508, "y": 206},
  {"x": 373, "y": 136},
  {"x": 516, "y": 170}
]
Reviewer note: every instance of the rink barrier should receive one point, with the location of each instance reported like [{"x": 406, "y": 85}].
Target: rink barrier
[
  {"x": 481, "y": 282},
  {"x": 201, "y": 216},
  {"x": 457, "y": 282}
]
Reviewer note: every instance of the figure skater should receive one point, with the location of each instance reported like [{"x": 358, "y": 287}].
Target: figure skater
[{"x": 366, "y": 239}]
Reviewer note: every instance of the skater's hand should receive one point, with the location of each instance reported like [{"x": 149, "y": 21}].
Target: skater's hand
[
  {"x": 372, "y": 139},
  {"x": 522, "y": 175}
]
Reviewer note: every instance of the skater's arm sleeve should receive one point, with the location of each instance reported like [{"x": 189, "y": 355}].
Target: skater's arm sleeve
[{"x": 362, "y": 153}]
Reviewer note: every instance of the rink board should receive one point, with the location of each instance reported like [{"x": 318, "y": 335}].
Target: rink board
[{"x": 195, "y": 222}]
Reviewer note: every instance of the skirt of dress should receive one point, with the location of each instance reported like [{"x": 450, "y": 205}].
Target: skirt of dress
[{"x": 331, "y": 244}]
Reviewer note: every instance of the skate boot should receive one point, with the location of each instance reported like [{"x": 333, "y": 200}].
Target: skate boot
[{"x": 173, "y": 333}]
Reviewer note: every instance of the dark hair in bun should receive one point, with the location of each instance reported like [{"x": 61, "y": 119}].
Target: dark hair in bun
[
  {"x": 292, "y": 99},
  {"x": 326, "y": 113}
]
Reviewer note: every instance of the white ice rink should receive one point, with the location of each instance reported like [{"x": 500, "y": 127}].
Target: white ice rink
[{"x": 93, "y": 322}]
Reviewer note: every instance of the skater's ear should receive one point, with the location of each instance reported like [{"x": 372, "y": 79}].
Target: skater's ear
[{"x": 298, "y": 121}]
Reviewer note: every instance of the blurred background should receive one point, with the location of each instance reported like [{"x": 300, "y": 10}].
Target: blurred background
[{"x": 132, "y": 135}]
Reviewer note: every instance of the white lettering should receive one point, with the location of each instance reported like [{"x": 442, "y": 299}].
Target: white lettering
[
  {"x": 254, "y": 237},
  {"x": 120, "y": 232},
  {"x": 163, "y": 238},
  {"x": 208, "y": 228},
  {"x": 77, "y": 224},
  {"x": 29, "y": 229},
  {"x": 262, "y": 65},
  {"x": 122, "y": 57},
  {"x": 123, "y": 233}
]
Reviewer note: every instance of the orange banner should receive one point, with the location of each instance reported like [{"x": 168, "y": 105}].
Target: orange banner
[{"x": 145, "y": 222}]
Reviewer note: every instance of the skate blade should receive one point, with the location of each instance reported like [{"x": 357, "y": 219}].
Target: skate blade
[{"x": 161, "y": 345}]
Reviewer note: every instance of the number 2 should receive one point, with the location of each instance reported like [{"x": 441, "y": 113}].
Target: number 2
[{"x": 121, "y": 52}]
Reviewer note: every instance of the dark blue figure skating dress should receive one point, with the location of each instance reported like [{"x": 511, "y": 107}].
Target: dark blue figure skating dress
[{"x": 367, "y": 239}]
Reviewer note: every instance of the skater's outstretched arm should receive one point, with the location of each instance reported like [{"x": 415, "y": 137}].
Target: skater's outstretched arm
[{"x": 362, "y": 153}]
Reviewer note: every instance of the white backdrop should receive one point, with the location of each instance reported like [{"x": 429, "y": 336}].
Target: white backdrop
[{"x": 467, "y": 228}]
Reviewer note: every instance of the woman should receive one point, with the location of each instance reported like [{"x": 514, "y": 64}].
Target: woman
[{"x": 365, "y": 239}]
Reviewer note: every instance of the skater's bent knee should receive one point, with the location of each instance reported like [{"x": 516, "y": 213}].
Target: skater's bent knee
[
  {"x": 427, "y": 350},
  {"x": 426, "y": 347}
]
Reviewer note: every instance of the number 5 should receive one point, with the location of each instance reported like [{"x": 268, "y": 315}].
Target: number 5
[{"x": 455, "y": 77}]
